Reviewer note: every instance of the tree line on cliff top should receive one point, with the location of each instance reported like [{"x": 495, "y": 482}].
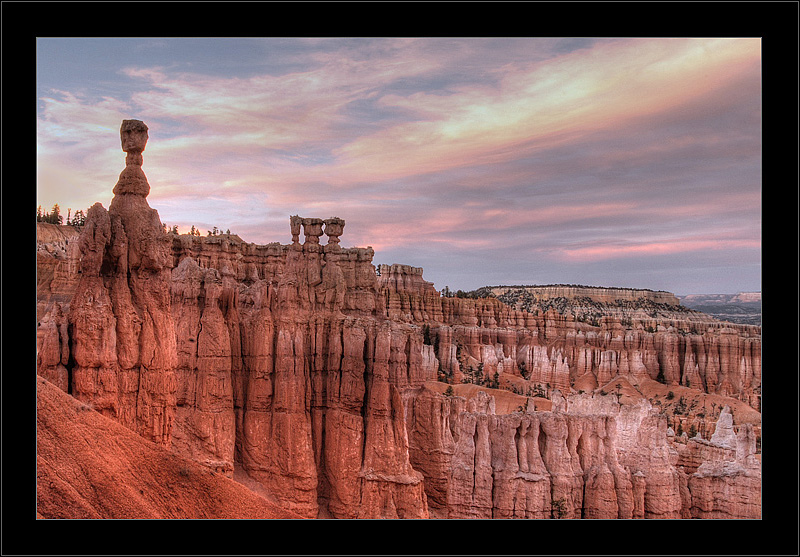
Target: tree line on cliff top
[
  {"x": 194, "y": 231},
  {"x": 54, "y": 216}
]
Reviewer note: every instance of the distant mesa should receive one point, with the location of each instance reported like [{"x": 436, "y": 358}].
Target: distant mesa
[
  {"x": 742, "y": 307},
  {"x": 594, "y": 293},
  {"x": 739, "y": 297}
]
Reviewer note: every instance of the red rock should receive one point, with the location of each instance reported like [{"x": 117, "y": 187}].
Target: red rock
[
  {"x": 123, "y": 341},
  {"x": 89, "y": 466}
]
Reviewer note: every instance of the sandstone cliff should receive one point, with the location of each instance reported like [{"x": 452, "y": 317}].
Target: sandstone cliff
[
  {"x": 122, "y": 339},
  {"x": 551, "y": 347},
  {"x": 351, "y": 392},
  {"x": 57, "y": 258}
]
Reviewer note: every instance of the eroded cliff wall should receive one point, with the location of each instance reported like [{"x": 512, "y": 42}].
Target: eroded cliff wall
[{"x": 550, "y": 347}]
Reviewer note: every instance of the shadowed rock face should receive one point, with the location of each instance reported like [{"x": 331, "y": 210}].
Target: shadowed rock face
[{"x": 316, "y": 377}]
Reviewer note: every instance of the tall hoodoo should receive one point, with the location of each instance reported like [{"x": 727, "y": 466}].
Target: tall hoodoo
[{"x": 123, "y": 337}]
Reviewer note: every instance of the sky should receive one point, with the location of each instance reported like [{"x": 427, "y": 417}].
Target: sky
[{"x": 487, "y": 161}]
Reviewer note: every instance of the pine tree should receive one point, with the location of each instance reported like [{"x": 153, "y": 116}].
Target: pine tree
[
  {"x": 55, "y": 215},
  {"x": 79, "y": 219}
]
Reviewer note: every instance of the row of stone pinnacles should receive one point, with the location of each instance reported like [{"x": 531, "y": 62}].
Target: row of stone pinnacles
[{"x": 313, "y": 228}]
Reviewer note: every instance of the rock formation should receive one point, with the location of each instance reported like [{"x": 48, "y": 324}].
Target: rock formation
[
  {"x": 304, "y": 372},
  {"x": 551, "y": 347},
  {"x": 122, "y": 339},
  {"x": 727, "y": 482},
  {"x": 349, "y": 392},
  {"x": 57, "y": 259}
]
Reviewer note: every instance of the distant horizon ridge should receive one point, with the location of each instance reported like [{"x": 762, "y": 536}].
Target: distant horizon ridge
[{"x": 573, "y": 286}]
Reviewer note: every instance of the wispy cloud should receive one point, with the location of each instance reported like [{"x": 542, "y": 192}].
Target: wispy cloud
[{"x": 680, "y": 245}]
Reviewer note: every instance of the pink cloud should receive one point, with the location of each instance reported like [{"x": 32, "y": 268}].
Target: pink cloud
[
  {"x": 547, "y": 102},
  {"x": 530, "y": 107},
  {"x": 657, "y": 248}
]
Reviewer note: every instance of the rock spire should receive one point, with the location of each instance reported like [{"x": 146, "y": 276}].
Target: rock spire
[{"x": 123, "y": 337}]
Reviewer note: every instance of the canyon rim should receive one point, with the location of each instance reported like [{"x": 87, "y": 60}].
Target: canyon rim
[{"x": 300, "y": 380}]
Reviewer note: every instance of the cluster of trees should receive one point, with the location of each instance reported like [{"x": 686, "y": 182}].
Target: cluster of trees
[
  {"x": 561, "y": 285},
  {"x": 482, "y": 292},
  {"x": 680, "y": 406},
  {"x": 171, "y": 229},
  {"x": 194, "y": 231},
  {"x": 692, "y": 430},
  {"x": 476, "y": 377},
  {"x": 55, "y": 216},
  {"x": 592, "y": 319},
  {"x": 216, "y": 232},
  {"x": 534, "y": 390}
]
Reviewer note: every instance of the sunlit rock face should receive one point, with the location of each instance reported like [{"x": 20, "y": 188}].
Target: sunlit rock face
[
  {"x": 348, "y": 391},
  {"x": 679, "y": 348},
  {"x": 307, "y": 390},
  {"x": 122, "y": 337}
]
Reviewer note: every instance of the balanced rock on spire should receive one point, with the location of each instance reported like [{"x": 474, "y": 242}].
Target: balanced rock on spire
[{"x": 133, "y": 135}]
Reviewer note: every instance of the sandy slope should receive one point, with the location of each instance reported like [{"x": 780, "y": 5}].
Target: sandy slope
[{"x": 89, "y": 466}]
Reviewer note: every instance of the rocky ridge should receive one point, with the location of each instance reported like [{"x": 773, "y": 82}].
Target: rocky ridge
[
  {"x": 743, "y": 307},
  {"x": 593, "y": 293},
  {"x": 352, "y": 393}
]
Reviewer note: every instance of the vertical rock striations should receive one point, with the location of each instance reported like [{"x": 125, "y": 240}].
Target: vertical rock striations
[
  {"x": 311, "y": 387},
  {"x": 555, "y": 347},
  {"x": 727, "y": 483},
  {"x": 122, "y": 335}
]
